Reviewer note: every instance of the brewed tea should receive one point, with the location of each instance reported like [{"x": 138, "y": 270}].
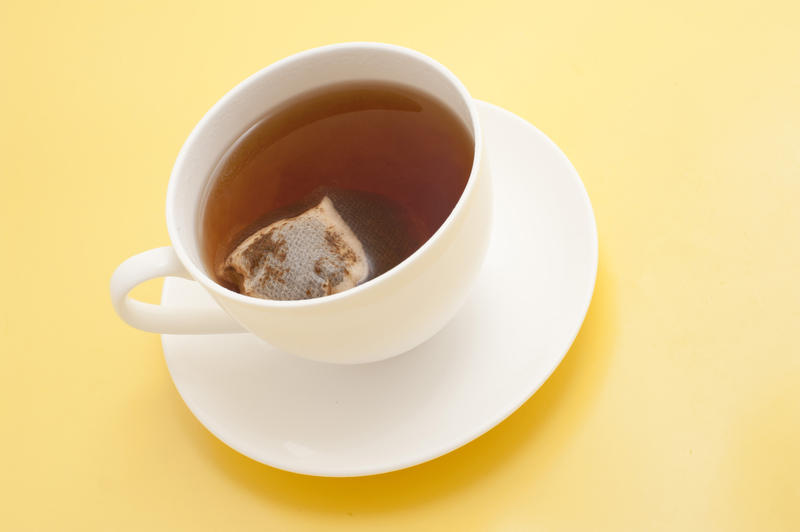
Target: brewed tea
[{"x": 392, "y": 160}]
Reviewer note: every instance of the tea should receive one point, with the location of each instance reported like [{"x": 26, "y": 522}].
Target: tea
[{"x": 392, "y": 160}]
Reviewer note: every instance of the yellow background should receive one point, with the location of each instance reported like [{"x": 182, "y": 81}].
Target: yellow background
[{"x": 678, "y": 407}]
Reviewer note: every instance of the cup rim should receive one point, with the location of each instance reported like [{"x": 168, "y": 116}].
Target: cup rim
[{"x": 210, "y": 284}]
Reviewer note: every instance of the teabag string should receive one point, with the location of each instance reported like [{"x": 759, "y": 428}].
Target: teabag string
[{"x": 345, "y": 239}]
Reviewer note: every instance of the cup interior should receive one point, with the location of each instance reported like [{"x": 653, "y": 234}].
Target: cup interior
[{"x": 269, "y": 88}]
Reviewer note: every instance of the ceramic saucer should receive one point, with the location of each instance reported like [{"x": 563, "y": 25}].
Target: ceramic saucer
[{"x": 518, "y": 323}]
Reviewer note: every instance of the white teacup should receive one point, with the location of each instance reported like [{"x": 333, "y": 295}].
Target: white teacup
[{"x": 381, "y": 318}]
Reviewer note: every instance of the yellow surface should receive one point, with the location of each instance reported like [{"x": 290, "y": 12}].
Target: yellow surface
[{"x": 678, "y": 408}]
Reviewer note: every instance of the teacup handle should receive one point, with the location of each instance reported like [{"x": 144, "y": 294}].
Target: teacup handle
[{"x": 162, "y": 262}]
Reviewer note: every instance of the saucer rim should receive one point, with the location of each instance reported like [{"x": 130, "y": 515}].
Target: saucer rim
[{"x": 482, "y": 429}]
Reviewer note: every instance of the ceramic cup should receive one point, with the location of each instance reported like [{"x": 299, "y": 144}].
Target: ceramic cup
[{"x": 381, "y": 318}]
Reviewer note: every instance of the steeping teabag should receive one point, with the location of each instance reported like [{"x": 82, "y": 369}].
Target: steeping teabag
[{"x": 348, "y": 237}]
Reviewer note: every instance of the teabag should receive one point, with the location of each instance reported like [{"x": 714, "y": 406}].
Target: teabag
[
  {"x": 310, "y": 255},
  {"x": 333, "y": 240}
]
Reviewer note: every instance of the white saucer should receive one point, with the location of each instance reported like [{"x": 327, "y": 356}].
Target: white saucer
[{"x": 520, "y": 320}]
